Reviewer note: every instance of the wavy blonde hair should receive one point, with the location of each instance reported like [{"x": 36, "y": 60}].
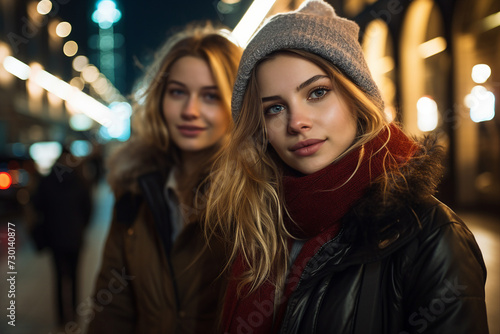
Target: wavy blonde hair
[{"x": 245, "y": 201}]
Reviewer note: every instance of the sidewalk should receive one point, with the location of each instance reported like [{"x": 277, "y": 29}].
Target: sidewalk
[
  {"x": 35, "y": 290},
  {"x": 486, "y": 230}
]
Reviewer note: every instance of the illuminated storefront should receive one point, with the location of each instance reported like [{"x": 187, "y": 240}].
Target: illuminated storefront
[
  {"x": 476, "y": 35},
  {"x": 437, "y": 63}
]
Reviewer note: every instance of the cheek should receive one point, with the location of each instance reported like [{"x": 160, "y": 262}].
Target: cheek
[
  {"x": 219, "y": 119},
  {"x": 350, "y": 126},
  {"x": 167, "y": 109},
  {"x": 169, "y": 121},
  {"x": 271, "y": 133},
  {"x": 274, "y": 138},
  {"x": 339, "y": 119},
  {"x": 276, "y": 127}
]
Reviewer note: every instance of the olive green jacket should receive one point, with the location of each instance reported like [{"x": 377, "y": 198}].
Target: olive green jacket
[{"x": 149, "y": 284}]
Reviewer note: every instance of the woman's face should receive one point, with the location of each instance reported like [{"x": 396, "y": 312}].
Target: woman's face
[
  {"x": 192, "y": 106},
  {"x": 307, "y": 122}
]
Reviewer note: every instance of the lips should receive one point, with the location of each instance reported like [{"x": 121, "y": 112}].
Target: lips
[
  {"x": 307, "y": 147},
  {"x": 190, "y": 130}
]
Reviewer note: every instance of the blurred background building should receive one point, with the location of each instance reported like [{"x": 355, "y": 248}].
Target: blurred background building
[
  {"x": 68, "y": 67},
  {"x": 437, "y": 63}
]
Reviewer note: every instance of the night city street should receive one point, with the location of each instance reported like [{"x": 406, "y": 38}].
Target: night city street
[{"x": 81, "y": 80}]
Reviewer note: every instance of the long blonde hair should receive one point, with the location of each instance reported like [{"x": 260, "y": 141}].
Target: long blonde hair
[
  {"x": 201, "y": 40},
  {"x": 245, "y": 202}
]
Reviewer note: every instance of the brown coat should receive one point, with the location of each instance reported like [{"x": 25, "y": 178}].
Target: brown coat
[{"x": 136, "y": 291}]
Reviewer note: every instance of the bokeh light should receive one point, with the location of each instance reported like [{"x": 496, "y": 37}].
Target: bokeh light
[
  {"x": 80, "y": 122},
  {"x": 480, "y": 73},
  {"x": 5, "y": 180},
  {"x": 90, "y": 73},
  {"x": 63, "y": 29},
  {"x": 106, "y": 14},
  {"x": 70, "y": 48},
  {"x": 80, "y": 62},
  {"x": 80, "y": 148},
  {"x": 44, "y": 7},
  {"x": 45, "y": 155},
  {"x": 77, "y": 82},
  {"x": 427, "y": 111}
]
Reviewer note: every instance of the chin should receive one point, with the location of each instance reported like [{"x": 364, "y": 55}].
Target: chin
[
  {"x": 306, "y": 170},
  {"x": 191, "y": 149},
  {"x": 310, "y": 169}
]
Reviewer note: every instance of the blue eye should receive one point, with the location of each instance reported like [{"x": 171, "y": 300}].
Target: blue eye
[
  {"x": 318, "y": 93},
  {"x": 274, "y": 109},
  {"x": 211, "y": 97},
  {"x": 176, "y": 92}
]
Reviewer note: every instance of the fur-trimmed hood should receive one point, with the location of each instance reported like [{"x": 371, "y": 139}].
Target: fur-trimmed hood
[
  {"x": 418, "y": 183},
  {"x": 131, "y": 160}
]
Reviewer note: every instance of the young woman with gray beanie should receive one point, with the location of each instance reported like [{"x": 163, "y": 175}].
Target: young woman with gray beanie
[{"x": 328, "y": 206}]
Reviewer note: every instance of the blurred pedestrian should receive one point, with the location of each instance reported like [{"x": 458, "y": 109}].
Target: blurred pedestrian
[
  {"x": 166, "y": 278},
  {"x": 63, "y": 204},
  {"x": 93, "y": 169},
  {"x": 328, "y": 205}
]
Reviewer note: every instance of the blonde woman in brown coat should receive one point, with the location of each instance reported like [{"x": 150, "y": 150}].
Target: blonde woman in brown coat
[{"x": 158, "y": 273}]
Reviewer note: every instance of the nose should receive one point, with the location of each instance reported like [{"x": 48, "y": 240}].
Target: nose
[
  {"x": 299, "y": 121},
  {"x": 191, "y": 109}
]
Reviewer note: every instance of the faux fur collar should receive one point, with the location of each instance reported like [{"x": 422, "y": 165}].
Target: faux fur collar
[
  {"x": 421, "y": 177},
  {"x": 131, "y": 160}
]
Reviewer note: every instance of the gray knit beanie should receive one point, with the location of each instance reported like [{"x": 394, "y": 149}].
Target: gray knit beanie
[{"x": 316, "y": 28}]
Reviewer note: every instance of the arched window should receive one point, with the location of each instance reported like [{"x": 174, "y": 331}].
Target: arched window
[
  {"x": 425, "y": 69},
  {"x": 354, "y": 7},
  {"x": 476, "y": 37},
  {"x": 378, "y": 49}
]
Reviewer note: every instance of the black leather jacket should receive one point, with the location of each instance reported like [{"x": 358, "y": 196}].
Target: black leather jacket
[{"x": 425, "y": 275}]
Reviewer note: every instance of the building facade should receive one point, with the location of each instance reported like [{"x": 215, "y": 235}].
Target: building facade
[{"x": 437, "y": 63}]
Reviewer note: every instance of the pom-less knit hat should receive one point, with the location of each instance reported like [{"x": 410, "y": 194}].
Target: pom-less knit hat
[{"x": 316, "y": 28}]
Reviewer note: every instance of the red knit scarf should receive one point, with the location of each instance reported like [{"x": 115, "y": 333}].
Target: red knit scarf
[{"x": 316, "y": 203}]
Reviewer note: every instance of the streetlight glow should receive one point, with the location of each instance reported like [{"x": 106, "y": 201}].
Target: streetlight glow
[
  {"x": 106, "y": 14},
  {"x": 432, "y": 47},
  {"x": 70, "y": 48},
  {"x": 251, "y": 20},
  {"x": 80, "y": 62},
  {"x": 16, "y": 68},
  {"x": 481, "y": 103},
  {"x": 63, "y": 29},
  {"x": 427, "y": 111},
  {"x": 44, "y": 7},
  {"x": 77, "y": 99},
  {"x": 480, "y": 73}
]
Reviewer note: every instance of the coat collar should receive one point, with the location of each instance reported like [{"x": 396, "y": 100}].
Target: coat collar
[
  {"x": 377, "y": 226},
  {"x": 130, "y": 161},
  {"x": 389, "y": 207}
]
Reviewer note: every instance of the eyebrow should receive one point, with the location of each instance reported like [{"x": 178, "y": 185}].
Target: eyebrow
[
  {"x": 299, "y": 87},
  {"x": 310, "y": 81},
  {"x": 183, "y": 85}
]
